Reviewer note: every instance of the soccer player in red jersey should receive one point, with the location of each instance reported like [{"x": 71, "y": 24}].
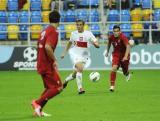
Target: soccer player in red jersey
[
  {"x": 120, "y": 54},
  {"x": 47, "y": 64}
]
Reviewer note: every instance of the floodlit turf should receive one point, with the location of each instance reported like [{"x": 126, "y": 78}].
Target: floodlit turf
[{"x": 137, "y": 100}]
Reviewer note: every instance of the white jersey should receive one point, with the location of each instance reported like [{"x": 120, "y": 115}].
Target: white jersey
[{"x": 80, "y": 46}]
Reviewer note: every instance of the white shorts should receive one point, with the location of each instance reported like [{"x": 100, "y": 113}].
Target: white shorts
[{"x": 78, "y": 57}]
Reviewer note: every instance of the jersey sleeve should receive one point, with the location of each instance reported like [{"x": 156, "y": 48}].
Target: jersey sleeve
[
  {"x": 71, "y": 37},
  {"x": 92, "y": 37},
  {"x": 52, "y": 38},
  {"x": 125, "y": 39}
]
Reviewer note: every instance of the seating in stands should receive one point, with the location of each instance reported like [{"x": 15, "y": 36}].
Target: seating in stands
[
  {"x": 86, "y": 27},
  {"x": 110, "y": 28},
  {"x": 94, "y": 2},
  {"x": 146, "y": 3},
  {"x": 156, "y": 15},
  {"x": 82, "y": 14},
  {"x": 36, "y": 16},
  {"x": 69, "y": 28},
  {"x": 94, "y": 15},
  {"x": 137, "y": 2},
  {"x": 126, "y": 29},
  {"x": 113, "y": 15},
  {"x": 62, "y": 33},
  {"x": 70, "y": 16},
  {"x": 136, "y": 14},
  {"x": 136, "y": 30},
  {"x": 3, "y": 36},
  {"x": 12, "y": 5},
  {"x": 45, "y": 16},
  {"x": 35, "y": 5},
  {"x": 13, "y": 32},
  {"x": 125, "y": 15},
  {"x": 12, "y": 17},
  {"x": 63, "y": 16},
  {"x": 46, "y": 4},
  {"x": 3, "y": 17},
  {"x": 3, "y": 4},
  {"x": 156, "y": 4},
  {"x": 23, "y": 17},
  {"x": 95, "y": 28},
  {"x": 23, "y": 35},
  {"x": 89, "y": 2},
  {"x": 35, "y": 31},
  {"x": 146, "y": 14}
]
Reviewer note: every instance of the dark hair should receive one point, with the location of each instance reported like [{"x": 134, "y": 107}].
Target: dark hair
[
  {"x": 54, "y": 17},
  {"x": 116, "y": 27},
  {"x": 80, "y": 20}
]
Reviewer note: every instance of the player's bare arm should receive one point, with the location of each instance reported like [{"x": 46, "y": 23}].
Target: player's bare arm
[
  {"x": 96, "y": 44},
  {"x": 127, "y": 52},
  {"x": 50, "y": 54},
  {"x": 108, "y": 48},
  {"x": 66, "y": 49}
]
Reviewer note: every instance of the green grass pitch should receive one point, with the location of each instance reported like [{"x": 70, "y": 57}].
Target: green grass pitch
[{"x": 137, "y": 100}]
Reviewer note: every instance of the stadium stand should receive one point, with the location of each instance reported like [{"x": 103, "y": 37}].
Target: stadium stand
[
  {"x": 12, "y": 17},
  {"x": 35, "y": 5},
  {"x": 3, "y": 4},
  {"x": 3, "y": 36},
  {"x": 23, "y": 35},
  {"x": 23, "y": 17},
  {"x": 3, "y": 17},
  {"x": 37, "y": 11},
  {"x": 12, "y": 5},
  {"x": 13, "y": 31},
  {"x": 46, "y": 4},
  {"x": 35, "y": 30}
]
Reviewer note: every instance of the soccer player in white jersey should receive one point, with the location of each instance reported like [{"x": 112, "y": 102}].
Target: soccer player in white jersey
[{"x": 80, "y": 41}]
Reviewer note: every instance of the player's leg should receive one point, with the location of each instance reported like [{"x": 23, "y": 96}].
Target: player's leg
[
  {"x": 113, "y": 73},
  {"x": 54, "y": 87},
  {"x": 69, "y": 78},
  {"x": 113, "y": 77},
  {"x": 79, "y": 68},
  {"x": 125, "y": 69}
]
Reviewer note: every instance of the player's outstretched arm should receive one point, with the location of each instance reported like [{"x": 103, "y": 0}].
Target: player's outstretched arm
[
  {"x": 66, "y": 49},
  {"x": 96, "y": 44}
]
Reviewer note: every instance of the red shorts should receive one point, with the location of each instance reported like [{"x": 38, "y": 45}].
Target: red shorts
[
  {"x": 51, "y": 79},
  {"x": 117, "y": 60}
]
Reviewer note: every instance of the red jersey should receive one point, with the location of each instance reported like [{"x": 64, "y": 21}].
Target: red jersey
[
  {"x": 50, "y": 36},
  {"x": 119, "y": 44}
]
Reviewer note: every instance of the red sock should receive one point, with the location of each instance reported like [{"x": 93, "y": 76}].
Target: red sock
[
  {"x": 49, "y": 93},
  {"x": 112, "y": 78}
]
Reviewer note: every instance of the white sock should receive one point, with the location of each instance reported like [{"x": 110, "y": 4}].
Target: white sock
[
  {"x": 79, "y": 80},
  {"x": 69, "y": 78}
]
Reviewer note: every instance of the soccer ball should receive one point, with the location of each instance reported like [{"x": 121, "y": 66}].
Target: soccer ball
[
  {"x": 131, "y": 42},
  {"x": 30, "y": 54},
  {"x": 94, "y": 76}
]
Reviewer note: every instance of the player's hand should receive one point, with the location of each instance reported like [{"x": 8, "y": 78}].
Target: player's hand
[
  {"x": 62, "y": 56},
  {"x": 106, "y": 54},
  {"x": 55, "y": 65},
  {"x": 124, "y": 59},
  {"x": 96, "y": 44}
]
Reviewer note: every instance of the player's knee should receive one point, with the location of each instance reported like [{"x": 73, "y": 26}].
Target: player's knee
[{"x": 114, "y": 69}]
